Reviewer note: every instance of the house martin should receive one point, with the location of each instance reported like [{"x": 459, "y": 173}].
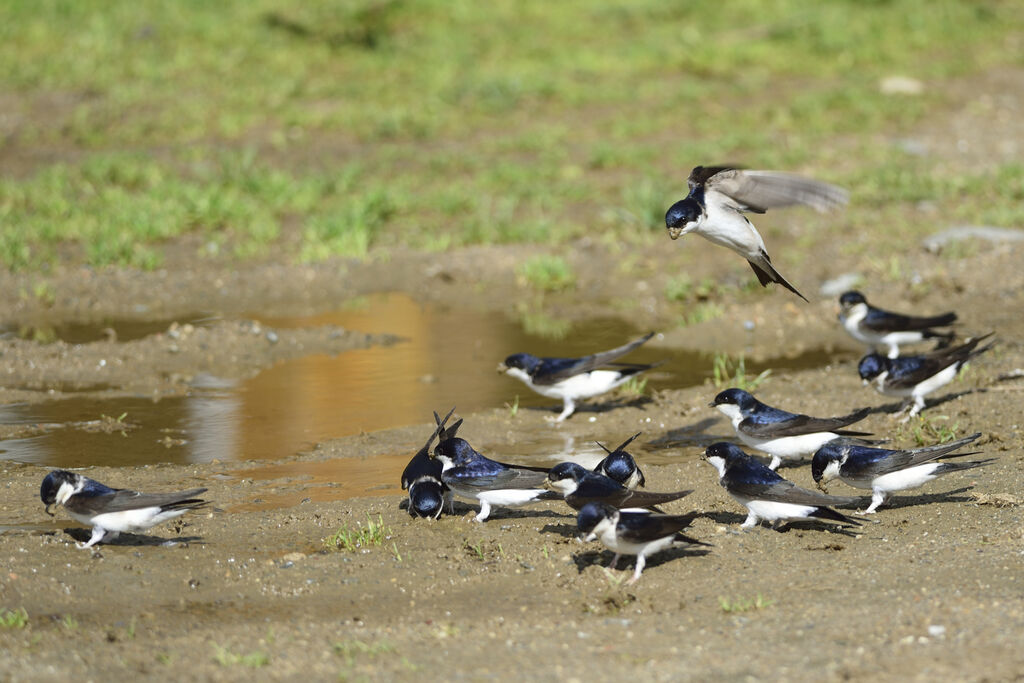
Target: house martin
[
  {"x": 719, "y": 195},
  {"x": 472, "y": 475},
  {"x": 580, "y": 486},
  {"x": 620, "y": 465},
  {"x": 574, "y": 379},
  {"x": 914, "y": 377},
  {"x": 886, "y": 471},
  {"x": 880, "y": 328},
  {"x": 110, "y": 511},
  {"x": 782, "y": 435},
  {"x": 765, "y": 494},
  {"x": 422, "y": 476},
  {"x": 632, "y": 533}
]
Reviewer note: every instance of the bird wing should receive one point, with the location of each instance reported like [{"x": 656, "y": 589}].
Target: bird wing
[
  {"x": 782, "y": 491},
  {"x": 759, "y": 191},
  {"x": 874, "y": 462},
  {"x": 906, "y": 372},
  {"x": 878, "y": 320},
  {"x": 700, "y": 175},
  {"x": 799, "y": 424},
  {"x": 124, "y": 499},
  {"x": 507, "y": 478},
  {"x": 646, "y": 499},
  {"x": 554, "y": 370},
  {"x": 641, "y": 527}
]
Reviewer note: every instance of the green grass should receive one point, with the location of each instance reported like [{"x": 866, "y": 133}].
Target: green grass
[
  {"x": 546, "y": 273},
  {"x": 932, "y": 429},
  {"x": 727, "y": 371},
  {"x": 360, "y": 537},
  {"x": 249, "y": 129},
  {"x": 226, "y": 658},
  {"x": 13, "y": 618},
  {"x": 733, "y": 605}
]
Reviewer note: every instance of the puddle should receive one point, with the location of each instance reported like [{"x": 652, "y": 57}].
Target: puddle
[
  {"x": 120, "y": 329},
  {"x": 379, "y": 475},
  {"x": 448, "y": 359}
]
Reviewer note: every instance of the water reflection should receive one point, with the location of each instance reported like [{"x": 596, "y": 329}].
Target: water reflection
[{"x": 448, "y": 359}]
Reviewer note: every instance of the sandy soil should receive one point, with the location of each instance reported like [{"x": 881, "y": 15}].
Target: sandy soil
[{"x": 929, "y": 590}]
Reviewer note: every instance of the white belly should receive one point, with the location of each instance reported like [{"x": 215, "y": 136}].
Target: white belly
[
  {"x": 789, "y": 447},
  {"x": 773, "y": 511},
  {"x": 509, "y": 497},
  {"x": 909, "y": 478}
]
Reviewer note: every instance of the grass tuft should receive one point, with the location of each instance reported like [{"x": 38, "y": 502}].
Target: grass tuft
[{"x": 360, "y": 537}]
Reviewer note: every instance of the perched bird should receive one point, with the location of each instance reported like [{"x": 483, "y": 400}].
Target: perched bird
[
  {"x": 422, "y": 476},
  {"x": 765, "y": 494},
  {"x": 782, "y": 435},
  {"x": 574, "y": 379},
  {"x": 914, "y": 377},
  {"x": 110, "y": 511},
  {"x": 579, "y": 486},
  {"x": 877, "y": 327},
  {"x": 471, "y": 475},
  {"x": 885, "y": 471},
  {"x": 620, "y": 465},
  {"x": 632, "y": 533},
  {"x": 719, "y": 195}
]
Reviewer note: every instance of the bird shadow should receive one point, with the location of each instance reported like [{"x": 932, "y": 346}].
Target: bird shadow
[
  {"x": 602, "y": 407},
  {"x": 460, "y": 509},
  {"x": 929, "y": 403},
  {"x": 127, "y": 539},
  {"x": 602, "y": 558},
  {"x": 897, "y": 502},
  {"x": 694, "y": 435}
]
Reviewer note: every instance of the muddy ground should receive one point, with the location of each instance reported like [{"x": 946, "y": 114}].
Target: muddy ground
[{"x": 929, "y": 590}]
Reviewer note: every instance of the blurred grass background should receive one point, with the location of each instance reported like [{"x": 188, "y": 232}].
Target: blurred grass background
[{"x": 254, "y": 129}]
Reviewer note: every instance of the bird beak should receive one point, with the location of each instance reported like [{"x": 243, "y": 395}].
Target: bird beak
[
  {"x": 864, "y": 382},
  {"x": 676, "y": 233},
  {"x": 546, "y": 484},
  {"x": 502, "y": 368},
  {"x": 823, "y": 485},
  {"x": 712, "y": 405},
  {"x": 50, "y": 509}
]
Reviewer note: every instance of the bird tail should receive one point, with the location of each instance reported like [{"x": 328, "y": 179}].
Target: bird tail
[
  {"x": 829, "y": 513},
  {"x": 766, "y": 273},
  {"x": 683, "y": 538},
  {"x": 946, "y": 467},
  {"x": 187, "y": 503}
]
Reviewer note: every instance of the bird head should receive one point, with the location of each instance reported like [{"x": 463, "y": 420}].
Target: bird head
[
  {"x": 454, "y": 452},
  {"x": 826, "y": 463},
  {"x": 593, "y": 516},
  {"x": 734, "y": 402},
  {"x": 57, "y": 487},
  {"x": 519, "y": 365},
  {"x": 426, "y": 498},
  {"x": 871, "y": 366},
  {"x": 682, "y": 217},
  {"x": 565, "y": 477},
  {"x": 720, "y": 455}
]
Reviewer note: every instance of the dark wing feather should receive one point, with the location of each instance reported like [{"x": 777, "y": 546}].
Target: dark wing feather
[
  {"x": 640, "y": 527},
  {"x": 783, "y": 491},
  {"x": 702, "y": 174},
  {"x": 763, "y": 190},
  {"x": 124, "y": 499},
  {"x": 646, "y": 499},
  {"x": 882, "y": 321},
  {"x": 874, "y": 462},
  {"x": 511, "y": 478},
  {"x": 554, "y": 370},
  {"x": 802, "y": 424}
]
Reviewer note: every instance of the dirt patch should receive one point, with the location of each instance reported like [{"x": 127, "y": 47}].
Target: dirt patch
[{"x": 930, "y": 589}]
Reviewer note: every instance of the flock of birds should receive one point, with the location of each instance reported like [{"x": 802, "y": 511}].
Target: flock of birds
[{"x": 609, "y": 503}]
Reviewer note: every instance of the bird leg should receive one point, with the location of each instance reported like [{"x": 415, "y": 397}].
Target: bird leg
[
  {"x": 568, "y": 406},
  {"x": 750, "y": 521},
  {"x": 615, "y": 561},
  {"x": 877, "y": 498},
  {"x": 640, "y": 562},
  {"x": 485, "y": 511},
  {"x": 98, "y": 534},
  {"x": 774, "y": 464}
]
